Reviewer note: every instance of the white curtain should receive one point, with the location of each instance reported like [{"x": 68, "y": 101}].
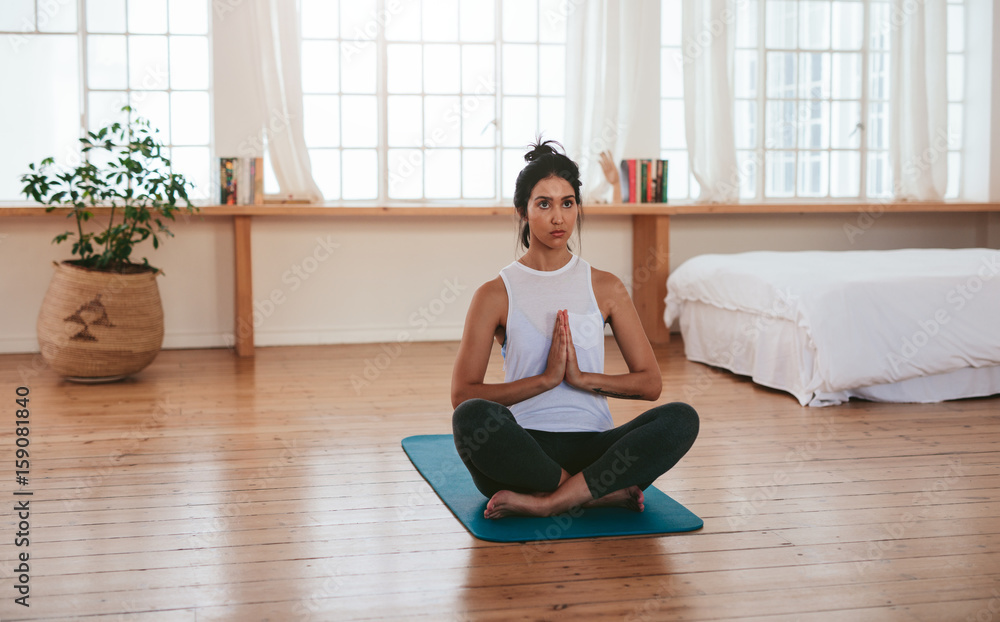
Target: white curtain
[
  {"x": 918, "y": 100},
  {"x": 707, "y": 53},
  {"x": 611, "y": 105},
  {"x": 276, "y": 40}
]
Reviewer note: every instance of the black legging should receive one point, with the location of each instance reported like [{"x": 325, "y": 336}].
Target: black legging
[{"x": 501, "y": 455}]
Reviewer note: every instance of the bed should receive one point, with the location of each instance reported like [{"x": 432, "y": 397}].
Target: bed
[{"x": 912, "y": 325}]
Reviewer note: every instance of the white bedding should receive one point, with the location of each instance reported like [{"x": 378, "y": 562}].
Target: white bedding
[{"x": 904, "y": 325}]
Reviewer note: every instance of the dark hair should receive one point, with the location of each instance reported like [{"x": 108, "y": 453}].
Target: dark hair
[{"x": 544, "y": 161}]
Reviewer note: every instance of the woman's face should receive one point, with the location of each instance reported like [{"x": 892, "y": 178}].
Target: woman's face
[{"x": 552, "y": 212}]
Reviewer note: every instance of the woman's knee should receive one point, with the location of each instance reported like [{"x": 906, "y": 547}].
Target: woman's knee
[
  {"x": 478, "y": 418},
  {"x": 684, "y": 419},
  {"x": 675, "y": 419},
  {"x": 469, "y": 411}
]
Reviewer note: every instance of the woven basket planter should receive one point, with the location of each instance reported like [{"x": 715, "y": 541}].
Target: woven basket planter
[{"x": 100, "y": 326}]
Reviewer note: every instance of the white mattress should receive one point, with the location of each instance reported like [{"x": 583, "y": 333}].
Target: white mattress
[{"x": 907, "y": 325}]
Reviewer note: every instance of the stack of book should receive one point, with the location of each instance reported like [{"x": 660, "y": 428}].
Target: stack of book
[
  {"x": 644, "y": 181},
  {"x": 241, "y": 181}
]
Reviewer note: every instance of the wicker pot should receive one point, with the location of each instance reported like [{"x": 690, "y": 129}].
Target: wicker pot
[{"x": 100, "y": 326}]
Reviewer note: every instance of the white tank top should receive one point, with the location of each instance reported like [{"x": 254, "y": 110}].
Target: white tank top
[{"x": 533, "y": 298}]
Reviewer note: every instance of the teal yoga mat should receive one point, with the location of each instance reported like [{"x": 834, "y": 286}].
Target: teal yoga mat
[{"x": 435, "y": 457}]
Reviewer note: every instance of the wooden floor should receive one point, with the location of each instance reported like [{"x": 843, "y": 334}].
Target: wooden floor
[{"x": 215, "y": 488}]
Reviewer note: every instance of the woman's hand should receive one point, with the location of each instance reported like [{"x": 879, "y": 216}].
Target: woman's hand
[
  {"x": 574, "y": 377},
  {"x": 487, "y": 313},
  {"x": 555, "y": 365}
]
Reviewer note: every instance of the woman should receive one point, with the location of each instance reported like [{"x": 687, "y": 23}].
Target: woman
[{"x": 543, "y": 441}]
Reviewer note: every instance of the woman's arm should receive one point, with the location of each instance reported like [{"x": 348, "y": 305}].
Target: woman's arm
[
  {"x": 489, "y": 304},
  {"x": 643, "y": 380}
]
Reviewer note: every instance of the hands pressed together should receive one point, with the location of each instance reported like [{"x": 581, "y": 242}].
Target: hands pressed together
[{"x": 562, "y": 364}]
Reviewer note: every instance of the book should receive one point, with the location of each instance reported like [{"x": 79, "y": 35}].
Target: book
[
  {"x": 257, "y": 174},
  {"x": 628, "y": 180},
  {"x": 657, "y": 180},
  {"x": 623, "y": 178},
  {"x": 241, "y": 181},
  {"x": 644, "y": 180},
  {"x": 663, "y": 188},
  {"x": 227, "y": 181}
]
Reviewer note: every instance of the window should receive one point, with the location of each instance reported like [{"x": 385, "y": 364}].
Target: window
[
  {"x": 811, "y": 98},
  {"x": 956, "y": 96},
  {"x": 152, "y": 55},
  {"x": 432, "y": 99},
  {"x": 673, "y": 141}
]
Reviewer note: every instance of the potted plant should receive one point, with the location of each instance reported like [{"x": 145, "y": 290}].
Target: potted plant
[{"x": 101, "y": 318}]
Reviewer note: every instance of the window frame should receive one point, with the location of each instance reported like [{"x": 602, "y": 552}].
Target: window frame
[
  {"x": 82, "y": 34},
  {"x": 758, "y": 156},
  {"x": 383, "y": 191},
  {"x": 211, "y": 193}
]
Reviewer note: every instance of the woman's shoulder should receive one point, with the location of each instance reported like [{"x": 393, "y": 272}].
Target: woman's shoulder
[
  {"x": 609, "y": 291},
  {"x": 492, "y": 294},
  {"x": 493, "y": 287},
  {"x": 605, "y": 282}
]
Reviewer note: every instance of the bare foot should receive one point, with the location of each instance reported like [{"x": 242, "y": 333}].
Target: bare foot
[
  {"x": 508, "y": 503},
  {"x": 630, "y": 498}
]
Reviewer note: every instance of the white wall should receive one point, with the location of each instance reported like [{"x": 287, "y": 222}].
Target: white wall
[
  {"x": 390, "y": 279},
  {"x": 196, "y": 288},
  {"x": 374, "y": 276}
]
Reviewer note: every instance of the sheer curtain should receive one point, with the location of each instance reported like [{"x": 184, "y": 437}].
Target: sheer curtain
[
  {"x": 275, "y": 38},
  {"x": 612, "y": 94},
  {"x": 707, "y": 35},
  {"x": 918, "y": 100}
]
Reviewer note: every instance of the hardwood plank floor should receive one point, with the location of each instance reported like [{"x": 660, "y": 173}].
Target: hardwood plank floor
[{"x": 210, "y": 487}]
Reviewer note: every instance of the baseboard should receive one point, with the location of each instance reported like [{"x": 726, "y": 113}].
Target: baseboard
[
  {"x": 19, "y": 345},
  {"x": 263, "y": 338},
  {"x": 319, "y": 336}
]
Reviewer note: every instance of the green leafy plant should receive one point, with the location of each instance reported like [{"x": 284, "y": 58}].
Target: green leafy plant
[{"x": 137, "y": 184}]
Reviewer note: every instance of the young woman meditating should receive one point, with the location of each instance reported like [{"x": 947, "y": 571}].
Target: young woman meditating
[{"x": 543, "y": 442}]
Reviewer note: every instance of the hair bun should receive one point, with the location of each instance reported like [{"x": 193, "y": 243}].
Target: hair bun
[{"x": 541, "y": 148}]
